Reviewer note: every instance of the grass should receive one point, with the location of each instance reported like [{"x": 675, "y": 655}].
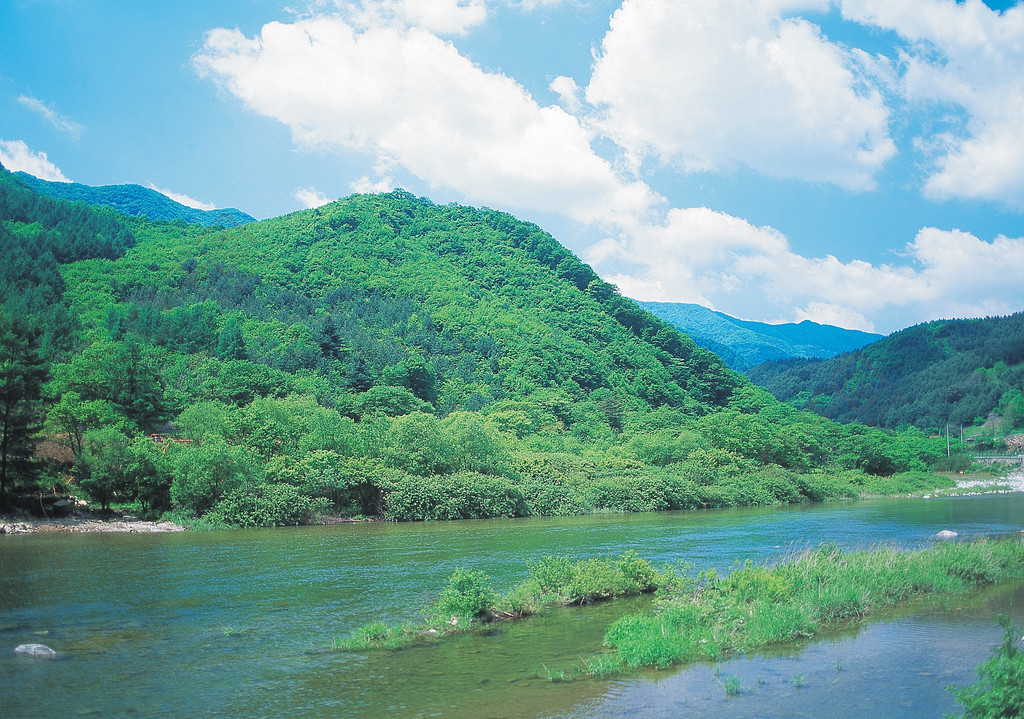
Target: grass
[
  {"x": 467, "y": 600},
  {"x": 713, "y": 616}
]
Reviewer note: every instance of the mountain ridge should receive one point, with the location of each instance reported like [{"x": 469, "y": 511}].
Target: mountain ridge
[
  {"x": 744, "y": 344},
  {"x": 135, "y": 201}
]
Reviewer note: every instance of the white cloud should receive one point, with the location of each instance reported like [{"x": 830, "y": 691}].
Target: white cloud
[
  {"x": 710, "y": 85},
  {"x": 184, "y": 199},
  {"x": 967, "y": 56},
  {"x": 16, "y": 156},
  {"x": 64, "y": 124},
  {"x": 310, "y": 197},
  {"x": 444, "y": 17},
  {"x": 411, "y": 98},
  {"x": 724, "y": 263}
]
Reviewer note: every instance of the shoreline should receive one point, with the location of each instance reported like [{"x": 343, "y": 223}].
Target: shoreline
[
  {"x": 89, "y": 522},
  {"x": 28, "y": 524}
]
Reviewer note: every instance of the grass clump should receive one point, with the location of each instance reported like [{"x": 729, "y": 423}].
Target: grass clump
[
  {"x": 752, "y": 607},
  {"x": 468, "y": 599},
  {"x": 999, "y": 691}
]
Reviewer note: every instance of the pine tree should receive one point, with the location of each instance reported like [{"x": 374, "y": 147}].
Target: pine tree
[{"x": 22, "y": 373}]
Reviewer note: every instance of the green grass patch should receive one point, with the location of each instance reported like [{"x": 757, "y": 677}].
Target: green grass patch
[
  {"x": 707, "y": 617},
  {"x": 468, "y": 601}
]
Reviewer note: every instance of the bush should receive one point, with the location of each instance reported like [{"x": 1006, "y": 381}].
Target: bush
[
  {"x": 468, "y": 594},
  {"x": 262, "y": 505},
  {"x": 999, "y": 691},
  {"x": 466, "y": 495}
]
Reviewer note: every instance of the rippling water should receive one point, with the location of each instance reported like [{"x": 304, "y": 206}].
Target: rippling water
[{"x": 236, "y": 623}]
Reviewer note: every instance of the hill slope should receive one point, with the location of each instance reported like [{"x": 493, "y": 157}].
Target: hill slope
[
  {"x": 949, "y": 371},
  {"x": 744, "y": 344},
  {"x": 135, "y": 201},
  {"x": 383, "y": 355}
]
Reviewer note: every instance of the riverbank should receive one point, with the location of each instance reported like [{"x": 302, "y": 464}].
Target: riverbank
[
  {"x": 85, "y": 522},
  {"x": 980, "y": 484},
  {"x": 24, "y": 523}
]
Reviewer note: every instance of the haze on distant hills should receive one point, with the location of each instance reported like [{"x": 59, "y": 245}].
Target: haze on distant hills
[
  {"x": 136, "y": 201},
  {"x": 744, "y": 344}
]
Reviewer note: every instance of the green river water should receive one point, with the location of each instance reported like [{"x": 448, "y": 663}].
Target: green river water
[{"x": 238, "y": 623}]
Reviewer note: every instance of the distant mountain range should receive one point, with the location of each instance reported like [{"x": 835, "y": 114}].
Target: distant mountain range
[
  {"x": 744, "y": 344},
  {"x": 135, "y": 201}
]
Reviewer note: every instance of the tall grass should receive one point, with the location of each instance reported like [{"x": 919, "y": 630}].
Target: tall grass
[{"x": 755, "y": 606}]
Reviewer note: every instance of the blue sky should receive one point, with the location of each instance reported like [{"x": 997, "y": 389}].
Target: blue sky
[{"x": 852, "y": 162}]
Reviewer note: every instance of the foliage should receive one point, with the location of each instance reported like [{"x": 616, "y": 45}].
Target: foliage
[
  {"x": 21, "y": 376},
  {"x": 999, "y": 691},
  {"x": 385, "y": 356},
  {"x": 928, "y": 376}
]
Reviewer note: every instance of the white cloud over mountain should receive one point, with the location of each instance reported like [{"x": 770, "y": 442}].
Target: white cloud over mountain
[
  {"x": 16, "y": 156},
  {"x": 694, "y": 85}
]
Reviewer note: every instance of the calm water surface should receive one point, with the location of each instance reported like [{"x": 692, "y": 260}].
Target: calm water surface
[{"x": 235, "y": 623}]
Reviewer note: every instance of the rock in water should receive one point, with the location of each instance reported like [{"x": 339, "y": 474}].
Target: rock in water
[
  {"x": 946, "y": 534},
  {"x": 35, "y": 650}
]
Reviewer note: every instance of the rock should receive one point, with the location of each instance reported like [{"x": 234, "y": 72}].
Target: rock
[
  {"x": 946, "y": 534},
  {"x": 40, "y": 651}
]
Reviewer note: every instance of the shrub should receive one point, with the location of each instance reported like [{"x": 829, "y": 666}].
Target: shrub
[
  {"x": 262, "y": 505},
  {"x": 999, "y": 691},
  {"x": 468, "y": 594}
]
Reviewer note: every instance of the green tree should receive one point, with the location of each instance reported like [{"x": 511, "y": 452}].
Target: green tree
[
  {"x": 22, "y": 372},
  {"x": 103, "y": 465}
]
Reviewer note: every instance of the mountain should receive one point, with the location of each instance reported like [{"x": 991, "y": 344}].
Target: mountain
[
  {"x": 380, "y": 355},
  {"x": 135, "y": 201},
  {"x": 744, "y": 344},
  {"x": 948, "y": 371}
]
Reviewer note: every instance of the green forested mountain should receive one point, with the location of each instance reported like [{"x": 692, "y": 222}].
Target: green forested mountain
[
  {"x": 135, "y": 201},
  {"x": 379, "y": 355},
  {"x": 744, "y": 344},
  {"x": 949, "y": 371}
]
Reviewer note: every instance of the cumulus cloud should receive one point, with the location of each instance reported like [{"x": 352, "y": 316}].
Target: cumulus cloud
[
  {"x": 62, "y": 123},
  {"x": 310, "y": 197},
  {"x": 751, "y": 271},
  {"x": 16, "y": 156},
  {"x": 411, "y": 98},
  {"x": 968, "y": 57},
  {"x": 184, "y": 199},
  {"x": 444, "y": 17},
  {"x": 710, "y": 85}
]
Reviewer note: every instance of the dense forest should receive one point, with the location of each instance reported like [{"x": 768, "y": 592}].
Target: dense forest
[
  {"x": 379, "y": 356},
  {"x": 744, "y": 344},
  {"x": 930, "y": 375}
]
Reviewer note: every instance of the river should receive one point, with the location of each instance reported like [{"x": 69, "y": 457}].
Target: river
[{"x": 237, "y": 623}]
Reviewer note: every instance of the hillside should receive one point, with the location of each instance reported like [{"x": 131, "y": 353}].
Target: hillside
[
  {"x": 135, "y": 201},
  {"x": 744, "y": 344},
  {"x": 381, "y": 355},
  {"x": 949, "y": 371}
]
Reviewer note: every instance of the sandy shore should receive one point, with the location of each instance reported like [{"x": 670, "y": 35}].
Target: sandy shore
[{"x": 27, "y": 524}]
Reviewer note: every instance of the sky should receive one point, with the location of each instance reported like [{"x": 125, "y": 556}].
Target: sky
[{"x": 851, "y": 162}]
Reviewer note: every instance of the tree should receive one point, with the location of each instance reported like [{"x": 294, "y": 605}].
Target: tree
[{"x": 22, "y": 372}]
